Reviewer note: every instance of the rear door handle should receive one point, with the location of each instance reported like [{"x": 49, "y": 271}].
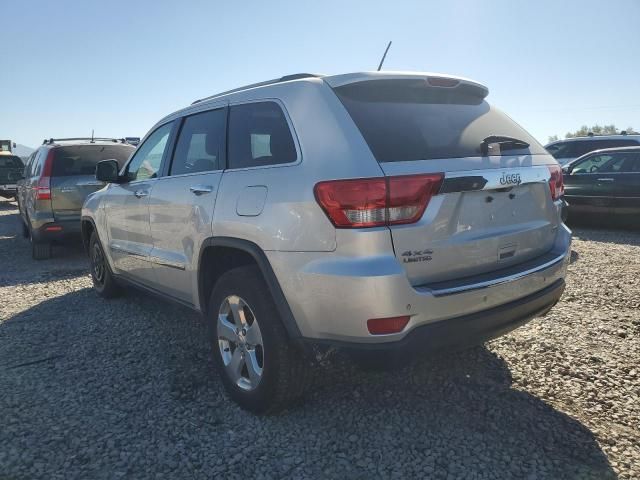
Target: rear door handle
[
  {"x": 141, "y": 193},
  {"x": 201, "y": 189},
  {"x": 605, "y": 179}
]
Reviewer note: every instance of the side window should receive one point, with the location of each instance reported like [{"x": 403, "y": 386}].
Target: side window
[
  {"x": 27, "y": 167},
  {"x": 147, "y": 159},
  {"x": 259, "y": 136},
  {"x": 591, "y": 164},
  {"x": 614, "y": 164},
  {"x": 199, "y": 145},
  {"x": 38, "y": 161},
  {"x": 633, "y": 163}
]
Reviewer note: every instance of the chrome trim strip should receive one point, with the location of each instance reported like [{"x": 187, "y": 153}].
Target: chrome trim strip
[
  {"x": 166, "y": 263},
  {"x": 494, "y": 179},
  {"x": 114, "y": 247},
  {"x": 491, "y": 283}
]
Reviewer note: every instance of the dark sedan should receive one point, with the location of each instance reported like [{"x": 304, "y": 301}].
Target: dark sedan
[{"x": 604, "y": 182}]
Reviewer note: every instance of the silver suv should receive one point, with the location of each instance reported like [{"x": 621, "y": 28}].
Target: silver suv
[
  {"x": 57, "y": 178},
  {"x": 379, "y": 212}
]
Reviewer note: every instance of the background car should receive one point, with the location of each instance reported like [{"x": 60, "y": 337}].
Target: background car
[
  {"x": 11, "y": 168},
  {"x": 57, "y": 178},
  {"x": 604, "y": 182},
  {"x": 567, "y": 150}
]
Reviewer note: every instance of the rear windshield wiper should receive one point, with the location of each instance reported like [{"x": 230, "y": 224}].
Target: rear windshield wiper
[{"x": 506, "y": 143}]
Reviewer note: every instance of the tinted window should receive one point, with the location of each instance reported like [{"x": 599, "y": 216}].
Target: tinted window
[
  {"x": 82, "y": 159},
  {"x": 199, "y": 146},
  {"x": 603, "y": 163},
  {"x": 259, "y": 135},
  {"x": 577, "y": 148},
  {"x": 9, "y": 161},
  {"x": 405, "y": 120},
  {"x": 146, "y": 162}
]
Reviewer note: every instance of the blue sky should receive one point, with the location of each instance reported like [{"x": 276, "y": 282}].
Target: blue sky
[{"x": 118, "y": 66}]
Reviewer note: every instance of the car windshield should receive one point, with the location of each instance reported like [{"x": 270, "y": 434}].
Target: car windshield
[
  {"x": 10, "y": 161},
  {"x": 403, "y": 120},
  {"x": 82, "y": 159}
]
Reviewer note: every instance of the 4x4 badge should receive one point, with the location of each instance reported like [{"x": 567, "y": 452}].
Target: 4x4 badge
[{"x": 411, "y": 256}]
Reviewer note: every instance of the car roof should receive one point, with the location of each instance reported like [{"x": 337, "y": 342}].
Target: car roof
[
  {"x": 607, "y": 150},
  {"x": 331, "y": 80},
  {"x": 66, "y": 142},
  {"x": 619, "y": 136}
]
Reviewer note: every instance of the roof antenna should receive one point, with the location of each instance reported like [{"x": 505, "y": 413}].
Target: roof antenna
[
  {"x": 384, "y": 56},
  {"x": 92, "y": 136}
]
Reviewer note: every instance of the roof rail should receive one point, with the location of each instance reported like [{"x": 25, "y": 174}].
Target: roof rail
[
  {"x": 286, "y": 78},
  {"x": 91, "y": 139}
]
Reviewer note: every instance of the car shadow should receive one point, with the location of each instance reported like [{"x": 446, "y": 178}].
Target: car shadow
[
  {"x": 85, "y": 380},
  {"x": 18, "y": 268}
]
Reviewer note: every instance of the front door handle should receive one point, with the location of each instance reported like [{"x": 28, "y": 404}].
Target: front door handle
[
  {"x": 605, "y": 179},
  {"x": 141, "y": 193},
  {"x": 201, "y": 189}
]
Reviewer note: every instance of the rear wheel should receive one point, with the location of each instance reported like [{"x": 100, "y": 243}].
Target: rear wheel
[
  {"x": 260, "y": 368},
  {"x": 103, "y": 281},
  {"x": 24, "y": 229},
  {"x": 39, "y": 250}
]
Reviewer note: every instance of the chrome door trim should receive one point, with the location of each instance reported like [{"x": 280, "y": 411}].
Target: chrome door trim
[
  {"x": 116, "y": 247},
  {"x": 442, "y": 292},
  {"x": 166, "y": 263}
]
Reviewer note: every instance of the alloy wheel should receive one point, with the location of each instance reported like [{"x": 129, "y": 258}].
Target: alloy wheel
[{"x": 240, "y": 342}]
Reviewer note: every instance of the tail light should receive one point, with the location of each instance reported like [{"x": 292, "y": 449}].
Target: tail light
[
  {"x": 556, "y": 183},
  {"x": 385, "y": 326},
  {"x": 374, "y": 202},
  {"x": 43, "y": 187}
]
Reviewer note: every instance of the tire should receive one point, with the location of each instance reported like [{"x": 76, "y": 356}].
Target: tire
[
  {"x": 39, "y": 250},
  {"x": 280, "y": 369},
  {"x": 24, "y": 229},
  {"x": 103, "y": 281}
]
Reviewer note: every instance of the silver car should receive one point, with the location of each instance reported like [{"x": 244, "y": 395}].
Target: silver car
[{"x": 377, "y": 212}]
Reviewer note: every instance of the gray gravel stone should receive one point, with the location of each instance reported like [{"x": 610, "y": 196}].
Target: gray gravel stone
[{"x": 124, "y": 388}]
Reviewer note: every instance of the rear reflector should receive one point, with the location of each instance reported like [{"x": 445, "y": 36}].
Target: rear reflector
[
  {"x": 556, "y": 182},
  {"x": 375, "y": 202},
  {"x": 53, "y": 228},
  {"x": 385, "y": 326}
]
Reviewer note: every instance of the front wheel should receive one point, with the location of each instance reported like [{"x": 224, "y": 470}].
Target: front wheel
[
  {"x": 260, "y": 369},
  {"x": 103, "y": 281}
]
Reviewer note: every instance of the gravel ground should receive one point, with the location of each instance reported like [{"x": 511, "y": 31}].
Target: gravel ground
[{"x": 107, "y": 389}]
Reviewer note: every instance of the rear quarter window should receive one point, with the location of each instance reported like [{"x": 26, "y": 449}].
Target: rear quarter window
[
  {"x": 259, "y": 135},
  {"x": 404, "y": 120},
  {"x": 82, "y": 159}
]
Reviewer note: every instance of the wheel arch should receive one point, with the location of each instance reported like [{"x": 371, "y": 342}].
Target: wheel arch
[
  {"x": 236, "y": 252},
  {"x": 87, "y": 227}
]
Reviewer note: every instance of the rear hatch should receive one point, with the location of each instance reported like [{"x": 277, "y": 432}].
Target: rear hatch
[
  {"x": 11, "y": 169},
  {"x": 73, "y": 175},
  {"x": 493, "y": 208}
]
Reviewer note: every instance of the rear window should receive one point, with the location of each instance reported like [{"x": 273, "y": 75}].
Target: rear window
[
  {"x": 577, "y": 148},
  {"x": 10, "y": 161},
  {"x": 403, "y": 120},
  {"x": 82, "y": 159}
]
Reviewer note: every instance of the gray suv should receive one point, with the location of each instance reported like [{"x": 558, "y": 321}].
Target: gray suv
[
  {"x": 58, "y": 176},
  {"x": 376, "y": 212}
]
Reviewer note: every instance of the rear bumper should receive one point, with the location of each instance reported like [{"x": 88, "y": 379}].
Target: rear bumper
[
  {"x": 465, "y": 330},
  {"x": 53, "y": 231},
  {"x": 8, "y": 189},
  {"x": 332, "y": 296}
]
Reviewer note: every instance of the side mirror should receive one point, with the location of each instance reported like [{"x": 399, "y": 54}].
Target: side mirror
[
  {"x": 107, "y": 171},
  {"x": 566, "y": 170}
]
